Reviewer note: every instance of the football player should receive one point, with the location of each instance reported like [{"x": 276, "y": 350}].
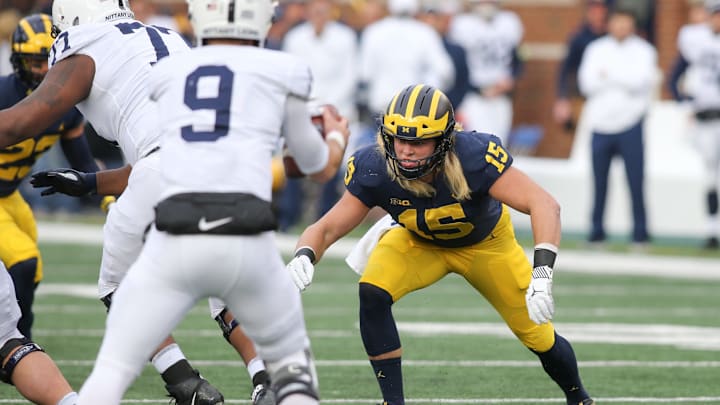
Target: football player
[
  {"x": 222, "y": 106},
  {"x": 23, "y": 363},
  {"x": 100, "y": 61},
  {"x": 699, "y": 53},
  {"x": 491, "y": 37},
  {"x": 30, "y": 45},
  {"x": 453, "y": 209}
]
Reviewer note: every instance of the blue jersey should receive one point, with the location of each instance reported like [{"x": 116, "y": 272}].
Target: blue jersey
[
  {"x": 17, "y": 160},
  {"x": 441, "y": 219}
]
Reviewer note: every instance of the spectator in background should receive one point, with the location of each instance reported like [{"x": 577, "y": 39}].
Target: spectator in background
[
  {"x": 330, "y": 48},
  {"x": 697, "y": 62},
  {"x": 399, "y": 50},
  {"x": 618, "y": 74},
  {"x": 490, "y": 36},
  {"x": 8, "y": 22},
  {"x": 568, "y": 104},
  {"x": 147, "y": 12},
  {"x": 287, "y": 15},
  {"x": 439, "y": 14}
]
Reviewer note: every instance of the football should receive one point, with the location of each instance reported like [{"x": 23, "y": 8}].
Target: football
[{"x": 291, "y": 168}]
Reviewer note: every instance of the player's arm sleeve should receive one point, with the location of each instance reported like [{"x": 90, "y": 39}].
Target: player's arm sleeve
[
  {"x": 679, "y": 67},
  {"x": 304, "y": 143},
  {"x": 77, "y": 152}
]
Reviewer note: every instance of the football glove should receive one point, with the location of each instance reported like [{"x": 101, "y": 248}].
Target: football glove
[
  {"x": 65, "y": 181},
  {"x": 538, "y": 297},
  {"x": 301, "y": 267}
]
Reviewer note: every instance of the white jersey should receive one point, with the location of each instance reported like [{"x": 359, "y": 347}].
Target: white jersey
[
  {"x": 701, "y": 49},
  {"x": 489, "y": 45},
  {"x": 124, "y": 52},
  {"x": 400, "y": 51},
  {"x": 333, "y": 58},
  {"x": 236, "y": 97}
]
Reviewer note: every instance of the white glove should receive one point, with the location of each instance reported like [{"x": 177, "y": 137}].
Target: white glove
[
  {"x": 301, "y": 271},
  {"x": 539, "y": 298}
]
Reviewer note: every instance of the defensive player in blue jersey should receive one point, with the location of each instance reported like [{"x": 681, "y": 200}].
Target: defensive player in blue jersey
[
  {"x": 449, "y": 191},
  {"x": 31, "y": 43}
]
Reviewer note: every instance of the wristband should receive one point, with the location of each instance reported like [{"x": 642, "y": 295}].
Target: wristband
[
  {"x": 337, "y": 137},
  {"x": 545, "y": 255},
  {"x": 91, "y": 178},
  {"x": 306, "y": 251}
]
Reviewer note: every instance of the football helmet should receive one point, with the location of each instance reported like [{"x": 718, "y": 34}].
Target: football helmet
[
  {"x": 31, "y": 44},
  {"x": 66, "y": 13},
  {"x": 231, "y": 19},
  {"x": 415, "y": 113}
]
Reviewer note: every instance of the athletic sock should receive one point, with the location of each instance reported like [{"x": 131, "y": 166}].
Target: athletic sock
[
  {"x": 178, "y": 372},
  {"x": 166, "y": 357},
  {"x": 560, "y": 364},
  {"x": 388, "y": 373}
]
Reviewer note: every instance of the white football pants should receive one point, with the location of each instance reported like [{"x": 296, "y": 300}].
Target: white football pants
[{"x": 170, "y": 276}]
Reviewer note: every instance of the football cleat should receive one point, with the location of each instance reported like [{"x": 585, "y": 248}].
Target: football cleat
[
  {"x": 587, "y": 401},
  {"x": 261, "y": 395},
  {"x": 195, "y": 391}
]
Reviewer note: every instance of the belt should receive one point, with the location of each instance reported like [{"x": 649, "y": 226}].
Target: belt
[{"x": 707, "y": 115}]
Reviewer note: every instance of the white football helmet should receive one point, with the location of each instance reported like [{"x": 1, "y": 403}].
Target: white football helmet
[
  {"x": 66, "y": 13},
  {"x": 232, "y": 19}
]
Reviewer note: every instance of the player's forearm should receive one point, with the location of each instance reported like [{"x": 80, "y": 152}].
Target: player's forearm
[
  {"x": 545, "y": 221},
  {"x": 14, "y": 128},
  {"x": 113, "y": 181}
]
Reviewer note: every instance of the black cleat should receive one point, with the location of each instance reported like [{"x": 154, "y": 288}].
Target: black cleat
[
  {"x": 262, "y": 395},
  {"x": 195, "y": 391},
  {"x": 587, "y": 401}
]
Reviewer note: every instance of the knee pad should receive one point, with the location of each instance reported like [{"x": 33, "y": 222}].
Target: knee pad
[
  {"x": 226, "y": 328},
  {"x": 377, "y": 325},
  {"x": 293, "y": 379},
  {"x": 25, "y": 346}
]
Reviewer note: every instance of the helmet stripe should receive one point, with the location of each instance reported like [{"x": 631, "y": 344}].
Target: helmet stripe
[
  {"x": 412, "y": 102},
  {"x": 432, "y": 111}
]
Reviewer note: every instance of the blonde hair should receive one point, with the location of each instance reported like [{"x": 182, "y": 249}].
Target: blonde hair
[{"x": 451, "y": 167}]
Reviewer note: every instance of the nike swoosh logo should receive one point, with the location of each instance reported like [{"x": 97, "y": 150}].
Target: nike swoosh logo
[{"x": 205, "y": 225}]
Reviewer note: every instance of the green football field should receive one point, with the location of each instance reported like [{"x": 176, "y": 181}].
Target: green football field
[{"x": 637, "y": 339}]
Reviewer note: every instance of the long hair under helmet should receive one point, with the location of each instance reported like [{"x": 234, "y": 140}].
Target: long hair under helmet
[
  {"x": 416, "y": 113},
  {"x": 31, "y": 41}
]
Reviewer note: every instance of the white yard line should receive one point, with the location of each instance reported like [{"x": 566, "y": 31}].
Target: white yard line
[
  {"x": 569, "y": 260},
  {"x": 645, "y": 400}
]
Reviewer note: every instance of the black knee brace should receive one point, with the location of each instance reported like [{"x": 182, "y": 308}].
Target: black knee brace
[
  {"x": 293, "y": 379},
  {"x": 377, "y": 325},
  {"x": 25, "y": 345},
  {"x": 23, "y": 276},
  {"x": 226, "y": 328}
]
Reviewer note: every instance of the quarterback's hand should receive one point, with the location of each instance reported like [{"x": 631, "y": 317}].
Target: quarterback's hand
[
  {"x": 539, "y": 298},
  {"x": 301, "y": 271},
  {"x": 65, "y": 181}
]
